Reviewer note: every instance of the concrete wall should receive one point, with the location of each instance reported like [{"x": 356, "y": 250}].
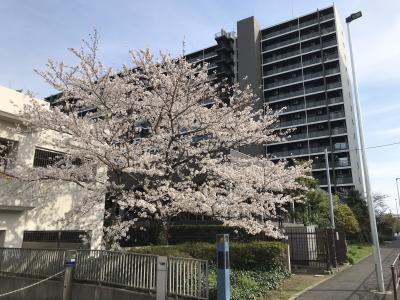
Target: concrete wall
[{"x": 52, "y": 290}]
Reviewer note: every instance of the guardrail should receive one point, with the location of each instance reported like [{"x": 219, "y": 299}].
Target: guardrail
[
  {"x": 395, "y": 268},
  {"x": 186, "y": 277}
]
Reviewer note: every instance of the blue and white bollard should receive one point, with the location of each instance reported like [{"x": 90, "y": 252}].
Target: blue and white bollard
[
  {"x": 70, "y": 262},
  {"x": 223, "y": 282}
]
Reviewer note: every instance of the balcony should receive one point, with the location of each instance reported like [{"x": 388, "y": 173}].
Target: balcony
[
  {"x": 338, "y": 164},
  {"x": 314, "y": 89},
  {"x": 333, "y": 100},
  {"x": 293, "y": 108},
  {"x": 318, "y": 118},
  {"x": 340, "y": 146},
  {"x": 329, "y": 43},
  {"x": 280, "y": 44},
  {"x": 328, "y": 57},
  {"x": 284, "y": 82},
  {"x": 295, "y": 137},
  {"x": 332, "y": 71},
  {"x": 312, "y": 61},
  {"x": 338, "y": 130},
  {"x": 293, "y": 152},
  {"x": 336, "y": 115},
  {"x": 313, "y": 75},
  {"x": 291, "y": 122},
  {"x": 309, "y": 35},
  {"x": 281, "y": 31},
  {"x": 319, "y": 149},
  {"x": 284, "y": 95},
  {"x": 344, "y": 180},
  {"x": 326, "y": 17},
  {"x": 318, "y": 133},
  {"x": 281, "y": 56},
  {"x": 310, "y": 48},
  {"x": 333, "y": 85},
  {"x": 328, "y": 30},
  {"x": 282, "y": 69},
  {"x": 307, "y": 23},
  {"x": 339, "y": 180}
]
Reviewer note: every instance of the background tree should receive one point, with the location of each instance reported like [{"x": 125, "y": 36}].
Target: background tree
[
  {"x": 314, "y": 210},
  {"x": 155, "y": 137},
  {"x": 360, "y": 209}
]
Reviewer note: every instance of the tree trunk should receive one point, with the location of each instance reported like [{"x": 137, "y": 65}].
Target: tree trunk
[{"x": 164, "y": 233}]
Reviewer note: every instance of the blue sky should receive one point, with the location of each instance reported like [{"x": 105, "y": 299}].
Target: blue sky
[{"x": 34, "y": 30}]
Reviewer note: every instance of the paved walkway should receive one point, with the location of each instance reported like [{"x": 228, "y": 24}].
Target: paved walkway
[{"x": 357, "y": 282}]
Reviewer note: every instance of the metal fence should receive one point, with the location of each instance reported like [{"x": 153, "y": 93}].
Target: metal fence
[
  {"x": 186, "y": 277},
  {"x": 316, "y": 247},
  {"x": 137, "y": 271},
  {"x": 31, "y": 263},
  {"x": 395, "y": 268}
]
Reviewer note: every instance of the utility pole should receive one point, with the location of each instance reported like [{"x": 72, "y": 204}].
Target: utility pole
[
  {"x": 372, "y": 219},
  {"x": 328, "y": 176}
]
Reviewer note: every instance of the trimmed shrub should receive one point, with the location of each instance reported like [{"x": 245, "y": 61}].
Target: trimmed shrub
[{"x": 243, "y": 256}]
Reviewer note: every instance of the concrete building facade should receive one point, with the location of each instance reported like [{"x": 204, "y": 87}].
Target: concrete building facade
[
  {"x": 300, "y": 66},
  {"x": 26, "y": 221}
]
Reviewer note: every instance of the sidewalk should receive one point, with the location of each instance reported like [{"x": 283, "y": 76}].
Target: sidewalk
[{"x": 357, "y": 282}]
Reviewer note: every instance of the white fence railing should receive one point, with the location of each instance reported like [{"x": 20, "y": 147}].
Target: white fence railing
[
  {"x": 187, "y": 277},
  {"x": 31, "y": 262},
  {"x": 130, "y": 270}
]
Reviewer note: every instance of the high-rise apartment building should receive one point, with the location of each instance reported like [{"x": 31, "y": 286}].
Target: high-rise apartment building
[{"x": 299, "y": 64}]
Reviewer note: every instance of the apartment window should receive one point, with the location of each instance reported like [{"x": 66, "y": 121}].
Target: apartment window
[{"x": 44, "y": 158}]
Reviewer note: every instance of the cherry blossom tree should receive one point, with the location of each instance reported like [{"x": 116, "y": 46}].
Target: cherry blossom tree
[{"x": 154, "y": 137}]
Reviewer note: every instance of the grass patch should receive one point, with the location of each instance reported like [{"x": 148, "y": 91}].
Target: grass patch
[
  {"x": 357, "y": 251},
  {"x": 291, "y": 286}
]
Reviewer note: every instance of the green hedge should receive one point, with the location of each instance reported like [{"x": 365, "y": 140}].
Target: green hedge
[
  {"x": 179, "y": 234},
  {"x": 243, "y": 256}
]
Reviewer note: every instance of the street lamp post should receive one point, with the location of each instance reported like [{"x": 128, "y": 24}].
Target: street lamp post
[
  {"x": 374, "y": 232},
  {"x": 398, "y": 194}
]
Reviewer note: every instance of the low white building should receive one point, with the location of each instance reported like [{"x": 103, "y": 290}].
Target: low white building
[{"x": 23, "y": 222}]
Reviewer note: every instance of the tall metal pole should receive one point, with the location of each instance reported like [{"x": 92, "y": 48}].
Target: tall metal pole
[
  {"x": 331, "y": 213},
  {"x": 372, "y": 219},
  {"x": 398, "y": 195}
]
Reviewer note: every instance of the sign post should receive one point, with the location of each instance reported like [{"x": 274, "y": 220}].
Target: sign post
[{"x": 223, "y": 282}]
